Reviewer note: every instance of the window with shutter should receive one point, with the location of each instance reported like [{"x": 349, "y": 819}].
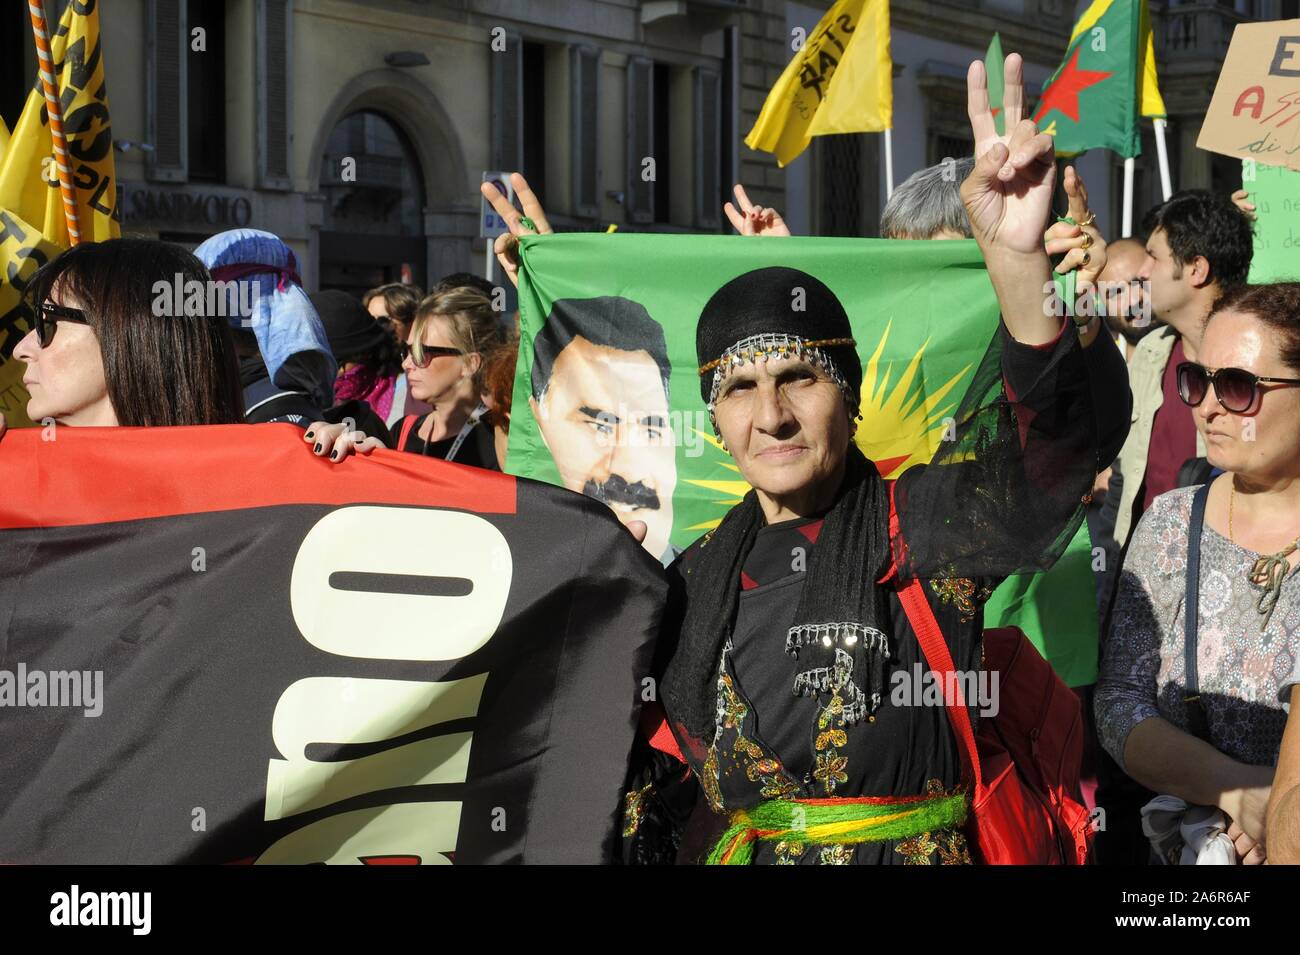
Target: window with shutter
[
  {"x": 206, "y": 91},
  {"x": 15, "y": 76},
  {"x": 708, "y": 147},
  {"x": 165, "y": 90},
  {"x": 273, "y": 140},
  {"x": 584, "y": 81},
  {"x": 841, "y": 172},
  {"x": 507, "y": 95},
  {"x": 640, "y": 193},
  {"x": 533, "y": 118}
]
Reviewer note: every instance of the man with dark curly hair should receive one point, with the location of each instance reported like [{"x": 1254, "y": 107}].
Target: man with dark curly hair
[{"x": 1199, "y": 247}]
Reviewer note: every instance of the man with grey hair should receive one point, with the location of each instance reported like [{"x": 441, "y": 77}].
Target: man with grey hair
[{"x": 927, "y": 205}]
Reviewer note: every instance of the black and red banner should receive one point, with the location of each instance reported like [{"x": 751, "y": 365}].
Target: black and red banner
[{"x": 384, "y": 661}]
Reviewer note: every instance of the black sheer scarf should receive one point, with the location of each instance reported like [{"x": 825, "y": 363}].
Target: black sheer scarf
[{"x": 842, "y": 620}]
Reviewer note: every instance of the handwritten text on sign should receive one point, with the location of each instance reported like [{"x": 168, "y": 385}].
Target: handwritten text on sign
[{"x": 1255, "y": 112}]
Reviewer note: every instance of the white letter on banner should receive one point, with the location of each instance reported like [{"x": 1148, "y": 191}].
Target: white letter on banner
[
  {"x": 409, "y": 542},
  {"x": 423, "y": 829},
  {"x": 315, "y": 711}
]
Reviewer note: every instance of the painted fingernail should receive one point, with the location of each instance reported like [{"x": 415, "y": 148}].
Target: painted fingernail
[
  {"x": 317, "y": 448},
  {"x": 309, "y": 435},
  {"x": 334, "y": 455}
]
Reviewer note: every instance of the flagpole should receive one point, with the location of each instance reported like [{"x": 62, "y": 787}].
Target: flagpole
[
  {"x": 54, "y": 108},
  {"x": 1166, "y": 187},
  {"x": 1127, "y": 231},
  {"x": 889, "y": 163}
]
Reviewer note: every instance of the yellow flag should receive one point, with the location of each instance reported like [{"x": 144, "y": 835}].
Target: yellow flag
[
  {"x": 840, "y": 81},
  {"x": 1150, "y": 102},
  {"x": 32, "y": 225}
]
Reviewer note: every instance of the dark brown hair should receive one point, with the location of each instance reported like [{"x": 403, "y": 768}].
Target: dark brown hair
[
  {"x": 1277, "y": 306},
  {"x": 400, "y": 301},
  {"x": 161, "y": 369}
]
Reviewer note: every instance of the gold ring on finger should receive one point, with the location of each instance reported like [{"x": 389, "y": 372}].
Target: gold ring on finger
[
  {"x": 1088, "y": 220},
  {"x": 1087, "y": 257},
  {"x": 1087, "y": 241}
]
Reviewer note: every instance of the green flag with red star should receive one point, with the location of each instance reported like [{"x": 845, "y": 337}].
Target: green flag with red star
[
  {"x": 993, "y": 69},
  {"x": 1106, "y": 82}
]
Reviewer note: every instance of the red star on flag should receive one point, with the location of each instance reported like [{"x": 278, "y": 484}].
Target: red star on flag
[{"x": 1063, "y": 94}]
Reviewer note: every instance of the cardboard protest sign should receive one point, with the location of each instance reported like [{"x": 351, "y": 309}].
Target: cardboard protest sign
[{"x": 1255, "y": 112}]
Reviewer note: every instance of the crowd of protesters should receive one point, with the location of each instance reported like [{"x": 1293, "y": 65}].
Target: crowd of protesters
[{"x": 1173, "y": 416}]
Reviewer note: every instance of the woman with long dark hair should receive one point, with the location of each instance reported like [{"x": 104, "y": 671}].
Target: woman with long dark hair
[{"x": 110, "y": 347}]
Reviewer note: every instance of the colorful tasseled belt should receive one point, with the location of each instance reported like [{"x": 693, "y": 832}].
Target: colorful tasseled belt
[{"x": 831, "y": 821}]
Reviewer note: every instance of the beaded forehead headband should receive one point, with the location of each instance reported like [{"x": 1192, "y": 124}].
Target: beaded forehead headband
[{"x": 777, "y": 345}]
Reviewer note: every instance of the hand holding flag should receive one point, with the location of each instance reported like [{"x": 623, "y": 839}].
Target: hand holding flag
[
  {"x": 1081, "y": 243},
  {"x": 531, "y": 221}
]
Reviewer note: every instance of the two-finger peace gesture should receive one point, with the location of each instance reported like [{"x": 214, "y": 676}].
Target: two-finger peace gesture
[
  {"x": 1009, "y": 193},
  {"x": 750, "y": 219},
  {"x": 529, "y": 222}
]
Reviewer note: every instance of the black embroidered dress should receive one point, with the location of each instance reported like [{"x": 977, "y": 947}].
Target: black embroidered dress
[{"x": 1004, "y": 497}]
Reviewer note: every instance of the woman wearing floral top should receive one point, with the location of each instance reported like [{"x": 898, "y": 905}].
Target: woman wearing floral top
[{"x": 1246, "y": 404}]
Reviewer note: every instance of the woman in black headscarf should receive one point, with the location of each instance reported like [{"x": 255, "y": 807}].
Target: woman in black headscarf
[{"x": 786, "y": 631}]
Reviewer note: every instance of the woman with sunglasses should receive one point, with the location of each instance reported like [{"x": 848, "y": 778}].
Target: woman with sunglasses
[
  {"x": 1206, "y": 726},
  {"x": 452, "y": 332},
  {"x": 105, "y": 351}
]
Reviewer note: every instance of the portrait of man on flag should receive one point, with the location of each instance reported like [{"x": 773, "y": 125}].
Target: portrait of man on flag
[{"x": 601, "y": 398}]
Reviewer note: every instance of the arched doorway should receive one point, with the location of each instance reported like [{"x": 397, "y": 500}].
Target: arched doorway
[{"x": 373, "y": 226}]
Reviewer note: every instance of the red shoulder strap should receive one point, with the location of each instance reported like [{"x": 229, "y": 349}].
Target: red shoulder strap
[
  {"x": 407, "y": 424},
  {"x": 935, "y": 649},
  {"x": 921, "y": 616}
]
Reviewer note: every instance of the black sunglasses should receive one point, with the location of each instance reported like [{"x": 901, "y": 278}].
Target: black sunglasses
[
  {"x": 430, "y": 353},
  {"x": 48, "y": 316},
  {"x": 1238, "y": 389}
]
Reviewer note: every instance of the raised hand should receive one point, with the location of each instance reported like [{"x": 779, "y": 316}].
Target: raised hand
[
  {"x": 1082, "y": 245},
  {"x": 750, "y": 219},
  {"x": 1007, "y": 197},
  {"x": 507, "y": 243},
  {"x": 1009, "y": 193}
]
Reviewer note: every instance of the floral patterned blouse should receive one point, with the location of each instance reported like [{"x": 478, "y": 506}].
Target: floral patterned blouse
[{"x": 1241, "y": 666}]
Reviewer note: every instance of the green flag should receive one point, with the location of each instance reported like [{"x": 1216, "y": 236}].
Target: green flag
[
  {"x": 993, "y": 68},
  {"x": 1057, "y": 610},
  {"x": 1092, "y": 98},
  {"x": 607, "y": 392}
]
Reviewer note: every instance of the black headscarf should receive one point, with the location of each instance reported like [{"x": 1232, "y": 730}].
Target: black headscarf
[
  {"x": 839, "y": 636},
  {"x": 767, "y": 311}
]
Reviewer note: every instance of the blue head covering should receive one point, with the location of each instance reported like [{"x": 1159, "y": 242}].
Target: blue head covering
[{"x": 281, "y": 316}]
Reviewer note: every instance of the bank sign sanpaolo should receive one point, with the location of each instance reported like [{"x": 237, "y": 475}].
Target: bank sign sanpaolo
[{"x": 176, "y": 208}]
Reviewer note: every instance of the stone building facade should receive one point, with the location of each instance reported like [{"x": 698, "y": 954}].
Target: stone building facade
[{"x": 359, "y": 130}]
